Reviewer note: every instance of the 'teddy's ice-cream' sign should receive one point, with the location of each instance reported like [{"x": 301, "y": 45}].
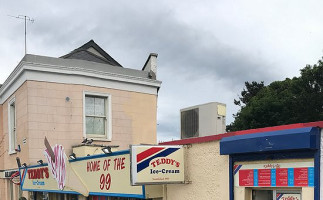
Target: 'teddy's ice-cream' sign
[{"x": 157, "y": 164}]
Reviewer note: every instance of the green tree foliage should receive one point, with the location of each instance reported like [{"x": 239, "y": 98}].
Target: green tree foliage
[{"x": 290, "y": 101}]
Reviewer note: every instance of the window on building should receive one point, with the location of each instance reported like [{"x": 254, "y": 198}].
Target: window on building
[
  {"x": 12, "y": 125},
  {"x": 97, "y": 115}
]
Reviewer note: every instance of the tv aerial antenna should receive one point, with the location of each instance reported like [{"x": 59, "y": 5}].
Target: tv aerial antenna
[{"x": 26, "y": 18}]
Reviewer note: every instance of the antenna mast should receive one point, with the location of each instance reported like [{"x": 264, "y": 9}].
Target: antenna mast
[{"x": 26, "y": 18}]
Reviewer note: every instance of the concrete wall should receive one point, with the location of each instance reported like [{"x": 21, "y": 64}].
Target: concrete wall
[
  {"x": 208, "y": 171},
  {"x": 61, "y": 121}
]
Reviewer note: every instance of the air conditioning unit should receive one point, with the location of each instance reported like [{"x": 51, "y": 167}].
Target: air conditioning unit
[{"x": 203, "y": 120}]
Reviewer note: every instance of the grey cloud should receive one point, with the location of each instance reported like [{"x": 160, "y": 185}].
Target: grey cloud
[
  {"x": 168, "y": 131},
  {"x": 184, "y": 50},
  {"x": 129, "y": 31}
]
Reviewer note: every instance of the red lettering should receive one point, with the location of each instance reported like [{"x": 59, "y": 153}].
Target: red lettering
[
  {"x": 108, "y": 181},
  {"x": 93, "y": 166},
  {"x": 102, "y": 181},
  {"x": 38, "y": 173},
  {"x": 122, "y": 163},
  {"x": 106, "y": 165},
  {"x": 46, "y": 173},
  {"x": 105, "y": 181},
  {"x": 166, "y": 161},
  {"x": 173, "y": 162},
  {"x": 115, "y": 163},
  {"x": 29, "y": 173},
  {"x": 118, "y": 163}
]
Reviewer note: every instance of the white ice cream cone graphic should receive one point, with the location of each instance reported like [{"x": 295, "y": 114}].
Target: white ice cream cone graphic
[{"x": 62, "y": 171}]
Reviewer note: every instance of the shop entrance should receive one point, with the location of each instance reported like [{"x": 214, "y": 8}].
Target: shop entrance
[{"x": 276, "y": 195}]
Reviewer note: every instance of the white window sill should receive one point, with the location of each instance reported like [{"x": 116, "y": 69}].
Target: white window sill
[
  {"x": 101, "y": 139},
  {"x": 12, "y": 152},
  {"x": 104, "y": 139}
]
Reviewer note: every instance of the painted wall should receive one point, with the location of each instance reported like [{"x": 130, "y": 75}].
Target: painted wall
[
  {"x": 21, "y": 128},
  {"x": 208, "y": 171},
  {"x": 41, "y": 110},
  {"x": 9, "y": 161},
  {"x": 61, "y": 121}
]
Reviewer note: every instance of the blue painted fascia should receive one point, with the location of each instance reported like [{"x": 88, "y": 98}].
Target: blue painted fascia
[
  {"x": 290, "y": 139},
  {"x": 116, "y": 153}
]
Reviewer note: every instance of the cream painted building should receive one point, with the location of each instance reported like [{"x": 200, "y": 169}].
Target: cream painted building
[
  {"x": 84, "y": 94},
  {"x": 274, "y": 163}
]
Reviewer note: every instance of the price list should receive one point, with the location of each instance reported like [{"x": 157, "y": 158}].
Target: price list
[{"x": 280, "y": 177}]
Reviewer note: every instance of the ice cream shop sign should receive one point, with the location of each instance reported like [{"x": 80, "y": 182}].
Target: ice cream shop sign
[
  {"x": 157, "y": 164},
  {"x": 104, "y": 175},
  {"x": 37, "y": 178},
  {"x": 107, "y": 174}
]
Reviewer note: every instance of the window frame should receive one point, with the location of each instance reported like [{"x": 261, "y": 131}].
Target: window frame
[
  {"x": 108, "y": 125},
  {"x": 12, "y": 144}
]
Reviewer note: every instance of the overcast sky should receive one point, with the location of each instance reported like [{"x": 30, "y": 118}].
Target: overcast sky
[{"x": 206, "y": 49}]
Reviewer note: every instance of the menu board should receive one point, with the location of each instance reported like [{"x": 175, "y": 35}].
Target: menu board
[
  {"x": 269, "y": 176},
  {"x": 246, "y": 177},
  {"x": 282, "y": 177},
  {"x": 264, "y": 177},
  {"x": 301, "y": 176}
]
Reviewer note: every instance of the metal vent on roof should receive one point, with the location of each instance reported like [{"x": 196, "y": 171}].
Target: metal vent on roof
[{"x": 190, "y": 123}]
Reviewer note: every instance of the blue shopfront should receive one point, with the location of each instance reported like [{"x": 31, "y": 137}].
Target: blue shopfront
[{"x": 274, "y": 165}]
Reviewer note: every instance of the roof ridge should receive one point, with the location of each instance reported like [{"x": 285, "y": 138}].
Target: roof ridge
[{"x": 94, "y": 45}]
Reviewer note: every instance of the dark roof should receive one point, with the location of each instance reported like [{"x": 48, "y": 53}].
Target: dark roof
[
  {"x": 83, "y": 53},
  {"x": 85, "y": 65}
]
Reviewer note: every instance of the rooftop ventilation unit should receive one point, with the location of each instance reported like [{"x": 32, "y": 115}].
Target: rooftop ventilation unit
[{"x": 203, "y": 120}]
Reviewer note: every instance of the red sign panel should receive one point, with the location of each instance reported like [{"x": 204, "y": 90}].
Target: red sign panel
[
  {"x": 281, "y": 177},
  {"x": 246, "y": 177},
  {"x": 264, "y": 177},
  {"x": 301, "y": 177}
]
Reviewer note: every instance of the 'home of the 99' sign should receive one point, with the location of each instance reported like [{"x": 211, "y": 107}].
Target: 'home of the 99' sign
[{"x": 157, "y": 164}]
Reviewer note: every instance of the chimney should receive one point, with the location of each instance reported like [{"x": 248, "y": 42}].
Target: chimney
[{"x": 151, "y": 66}]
